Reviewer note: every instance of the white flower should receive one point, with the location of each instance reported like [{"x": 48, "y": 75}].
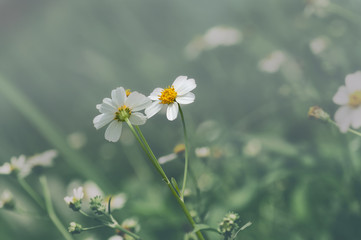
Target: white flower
[
  {"x": 44, "y": 159},
  {"x": 349, "y": 97},
  {"x": 318, "y": 45},
  {"x": 118, "y": 201},
  {"x": 78, "y": 195},
  {"x": 22, "y": 166},
  {"x": 273, "y": 62},
  {"x": 115, "y": 237},
  {"x": 118, "y": 109},
  {"x": 178, "y": 93},
  {"x": 202, "y": 152}
]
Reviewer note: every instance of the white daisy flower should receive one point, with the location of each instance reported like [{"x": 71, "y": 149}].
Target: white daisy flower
[
  {"x": 349, "y": 97},
  {"x": 74, "y": 202},
  {"x": 178, "y": 93},
  {"x": 119, "y": 108}
]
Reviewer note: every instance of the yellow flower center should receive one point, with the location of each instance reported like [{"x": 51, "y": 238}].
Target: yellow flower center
[
  {"x": 123, "y": 113},
  {"x": 168, "y": 95},
  {"x": 355, "y": 99}
]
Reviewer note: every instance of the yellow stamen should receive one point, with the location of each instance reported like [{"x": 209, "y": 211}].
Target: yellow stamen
[
  {"x": 123, "y": 113},
  {"x": 168, "y": 95},
  {"x": 127, "y": 92},
  {"x": 355, "y": 99}
]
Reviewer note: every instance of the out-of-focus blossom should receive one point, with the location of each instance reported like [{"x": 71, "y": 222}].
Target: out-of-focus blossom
[
  {"x": 77, "y": 140},
  {"x": 214, "y": 37},
  {"x": 178, "y": 149},
  {"x": 202, "y": 152},
  {"x": 116, "y": 237},
  {"x": 349, "y": 97},
  {"x": 118, "y": 201},
  {"x": 252, "y": 148},
  {"x": 178, "y": 93},
  {"x": 7, "y": 200},
  {"x": 316, "y": 7},
  {"x": 273, "y": 62},
  {"x": 22, "y": 166},
  {"x": 318, "y": 45}
]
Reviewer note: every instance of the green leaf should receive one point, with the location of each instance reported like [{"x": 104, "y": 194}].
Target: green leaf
[{"x": 175, "y": 185}]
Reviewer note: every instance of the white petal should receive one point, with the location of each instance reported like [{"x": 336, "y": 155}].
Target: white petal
[
  {"x": 112, "y": 134},
  {"x": 5, "y": 168},
  {"x": 186, "y": 99},
  {"x": 172, "y": 111},
  {"x": 106, "y": 108},
  {"x": 343, "y": 117},
  {"x": 156, "y": 93},
  {"x": 183, "y": 86},
  {"x": 137, "y": 118},
  {"x": 102, "y": 120},
  {"x": 353, "y": 81},
  {"x": 153, "y": 109},
  {"x": 119, "y": 96},
  {"x": 137, "y": 101},
  {"x": 356, "y": 118},
  {"x": 341, "y": 97}
]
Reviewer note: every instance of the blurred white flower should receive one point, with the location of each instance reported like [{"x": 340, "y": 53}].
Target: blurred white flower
[
  {"x": 252, "y": 148},
  {"x": 115, "y": 237},
  {"x": 167, "y": 158},
  {"x": 178, "y": 93},
  {"x": 7, "y": 200},
  {"x": 316, "y": 7},
  {"x": 203, "y": 152},
  {"x": 273, "y": 62},
  {"x": 214, "y": 37},
  {"x": 22, "y": 166},
  {"x": 91, "y": 189},
  {"x": 349, "y": 97},
  {"x": 318, "y": 45},
  {"x": 76, "y": 140},
  {"x": 119, "y": 108},
  {"x": 118, "y": 201}
]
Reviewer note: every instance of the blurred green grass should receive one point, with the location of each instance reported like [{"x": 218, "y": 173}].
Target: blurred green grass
[{"x": 302, "y": 182}]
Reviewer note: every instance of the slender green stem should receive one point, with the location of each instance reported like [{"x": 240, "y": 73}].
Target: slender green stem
[
  {"x": 31, "y": 192},
  {"x": 145, "y": 146},
  {"x": 49, "y": 207},
  {"x": 116, "y": 225},
  {"x": 349, "y": 129},
  {"x": 92, "y": 228},
  {"x": 185, "y": 154}
]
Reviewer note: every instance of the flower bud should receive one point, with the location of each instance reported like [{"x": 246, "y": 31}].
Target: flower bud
[
  {"x": 318, "y": 113},
  {"x": 96, "y": 204},
  {"x": 75, "y": 228}
]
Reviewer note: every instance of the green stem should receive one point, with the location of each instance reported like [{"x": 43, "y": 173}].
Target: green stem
[
  {"x": 349, "y": 129},
  {"x": 31, "y": 192},
  {"x": 116, "y": 225},
  {"x": 50, "y": 210},
  {"x": 185, "y": 154},
  {"x": 145, "y": 146}
]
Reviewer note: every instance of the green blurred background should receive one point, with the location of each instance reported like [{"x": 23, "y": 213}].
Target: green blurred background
[{"x": 293, "y": 178}]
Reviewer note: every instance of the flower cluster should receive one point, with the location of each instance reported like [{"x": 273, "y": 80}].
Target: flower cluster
[
  {"x": 124, "y": 106},
  {"x": 23, "y": 166},
  {"x": 230, "y": 224}
]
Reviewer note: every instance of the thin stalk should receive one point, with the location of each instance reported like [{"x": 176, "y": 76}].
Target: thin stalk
[
  {"x": 349, "y": 129},
  {"x": 145, "y": 146},
  {"x": 31, "y": 192},
  {"x": 185, "y": 154},
  {"x": 116, "y": 225},
  {"x": 49, "y": 207}
]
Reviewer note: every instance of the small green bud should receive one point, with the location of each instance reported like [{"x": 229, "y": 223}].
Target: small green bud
[
  {"x": 7, "y": 200},
  {"x": 75, "y": 228},
  {"x": 96, "y": 204},
  {"x": 230, "y": 222},
  {"x": 318, "y": 113}
]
